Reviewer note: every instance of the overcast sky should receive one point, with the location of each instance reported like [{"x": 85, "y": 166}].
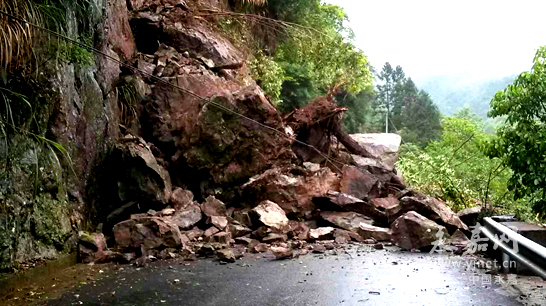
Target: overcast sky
[{"x": 479, "y": 38}]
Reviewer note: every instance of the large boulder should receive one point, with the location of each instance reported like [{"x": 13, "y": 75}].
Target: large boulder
[
  {"x": 470, "y": 216},
  {"x": 375, "y": 208},
  {"x": 383, "y": 147},
  {"x": 141, "y": 178},
  {"x": 322, "y": 233},
  {"x": 368, "y": 231},
  {"x": 92, "y": 247},
  {"x": 271, "y": 215},
  {"x": 243, "y": 216},
  {"x": 181, "y": 198},
  {"x": 186, "y": 218},
  {"x": 297, "y": 230},
  {"x": 219, "y": 221},
  {"x": 213, "y": 207},
  {"x": 202, "y": 42},
  {"x": 459, "y": 242},
  {"x": 208, "y": 141},
  {"x": 238, "y": 230},
  {"x": 413, "y": 231},
  {"x": 359, "y": 183},
  {"x": 293, "y": 193},
  {"x": 388, "y": 206},
  {"x": 147, "y": 233},
  {"x": 282, "y": 252},
  {"x": 137, "y": 182},
  {"x": 372, "y": 165},
  {"x": 433, "y": 209},
  {"x": 346, "y": 220}
]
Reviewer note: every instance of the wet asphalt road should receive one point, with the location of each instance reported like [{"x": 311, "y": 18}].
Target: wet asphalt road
[{"x": 358, "y": 276}]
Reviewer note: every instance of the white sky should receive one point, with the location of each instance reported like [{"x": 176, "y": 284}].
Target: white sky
[{"x": 479, "y": 38}]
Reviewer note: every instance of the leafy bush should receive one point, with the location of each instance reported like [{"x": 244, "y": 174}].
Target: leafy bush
[
  {"x": 269, "y": 75},
  {"x": 456, "y": 169},
  {"x": 521, "y": 141}
]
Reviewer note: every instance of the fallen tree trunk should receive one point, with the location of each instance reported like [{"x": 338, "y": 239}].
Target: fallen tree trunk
[
  {"x": 349, "y": 143},
  {"x": 315, "y": 124}
]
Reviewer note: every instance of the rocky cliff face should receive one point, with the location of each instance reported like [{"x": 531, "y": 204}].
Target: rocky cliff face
[
  {"x": 90, "y": 107},
  {"x": 171, "y": 118},
  {"x": 43, "y": 205}
]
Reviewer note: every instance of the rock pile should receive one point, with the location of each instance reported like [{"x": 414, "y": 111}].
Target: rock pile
[
  {"x": 282, "y": 196},
  {"x": 298, "y": 209}
]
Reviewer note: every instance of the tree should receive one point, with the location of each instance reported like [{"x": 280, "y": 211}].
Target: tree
[
  {"x": 326, "y": 56},
  {"x": 387, "y": 92},
  {"x": 411, "y": 111},
  {"x": 421, "y": 120},
  {"x": 357, "y": 119},
  {"x": 406, "y": 94},
  {"x": 521, "y": 141}
]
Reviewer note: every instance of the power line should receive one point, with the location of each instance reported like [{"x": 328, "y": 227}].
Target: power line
[{"x": 151, "y": 76}]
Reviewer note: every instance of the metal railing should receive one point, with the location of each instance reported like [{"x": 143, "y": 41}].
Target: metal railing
[{"x": 523, "y": 250}]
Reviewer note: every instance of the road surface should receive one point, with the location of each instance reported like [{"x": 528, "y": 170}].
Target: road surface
[{"x": 357, "y": 276}]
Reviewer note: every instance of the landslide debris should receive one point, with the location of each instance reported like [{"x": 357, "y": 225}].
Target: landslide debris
[{"x": 211, "y": 168}]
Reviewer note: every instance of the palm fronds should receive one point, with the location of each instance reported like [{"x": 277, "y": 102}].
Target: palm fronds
[
  {"x": 17, "y": 38},
  {"x": 255, "y": 2},
  {"x": 127, "y": 100}
]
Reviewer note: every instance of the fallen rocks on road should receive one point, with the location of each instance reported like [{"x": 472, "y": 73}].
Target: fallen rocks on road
[
  {"x": 367, "y": 231},
  {"x": 271, "y": 215},
  {"x": 147, "y": 233},
  {"x": 346, "y": 220},
  {"x": 322, "y": 233},
  {"x": 317, "y": 205},
  {"x": 255, "y": 190},
  {"x": 92, "y": 247},
  {"x": 413, "y": 231},
  {"x": 433, "y": 209}
]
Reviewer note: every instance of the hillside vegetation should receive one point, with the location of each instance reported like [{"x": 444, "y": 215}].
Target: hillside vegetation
[{"x": 455, "y": 92}]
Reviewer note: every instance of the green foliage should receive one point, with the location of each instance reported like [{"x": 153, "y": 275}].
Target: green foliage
[
  {"x": 521, "y": 141},
  {"x": 301, "y": 49},
  {"x": 298, "y": 89},
  {"x": 269, "y": 76},
  {"x": 320, "y": 56},
  {"x": 327, "y": 60},
  {"x": 411, "y": 111},
  {"x": 291, "y": 10},
  {"x": 455, "y": 92},
  {"x": 18, "y": 116},
  {"x": 22, "y": 44},
  {"x": 358, "y": 118},
  {"x": 455, "y": 168}
]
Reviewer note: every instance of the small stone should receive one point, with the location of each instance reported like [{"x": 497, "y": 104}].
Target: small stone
[
  {"x": 226, "y": 255},
  {"x": 378, "y": 246},
  {"x": 319, "y": 248},
  {"x": 275, "y": 237},
  {"x": 311, "y": 166},
  {"x": 282, "y": 252},
  {"x": 211, "y": 231}
]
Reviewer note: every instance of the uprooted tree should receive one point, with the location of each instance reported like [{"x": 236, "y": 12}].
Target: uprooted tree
[{"x": 315, "y": 124}]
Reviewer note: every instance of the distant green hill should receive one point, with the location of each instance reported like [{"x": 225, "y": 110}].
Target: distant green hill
[{"x": 452, "y": 93}]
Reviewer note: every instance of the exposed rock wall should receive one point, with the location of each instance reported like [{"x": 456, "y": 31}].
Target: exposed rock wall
[
  {"x": 43, "y": 205},
  {"x": 147, "y": 146},
  {"x": 90, "y": 107}
]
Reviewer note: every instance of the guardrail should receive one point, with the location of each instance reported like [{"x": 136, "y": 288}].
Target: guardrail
[{"x": 527, "y": 252}]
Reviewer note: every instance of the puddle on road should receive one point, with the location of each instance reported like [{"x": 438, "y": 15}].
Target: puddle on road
[{"x": 48, "y": 281}]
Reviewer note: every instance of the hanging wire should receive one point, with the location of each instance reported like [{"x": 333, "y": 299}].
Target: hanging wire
[{"x": 151, "y": 76}]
